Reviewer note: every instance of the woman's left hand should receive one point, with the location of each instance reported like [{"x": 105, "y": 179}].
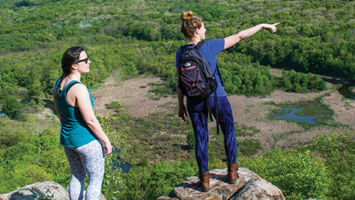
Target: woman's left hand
[
  {"x": 271, "y": 27},
  {"x": 108, "y": 147}
]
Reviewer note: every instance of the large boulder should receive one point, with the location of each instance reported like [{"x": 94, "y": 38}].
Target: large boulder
[
  {"x": 42, "y": 190},
  {"x": 249, "y": 186}
]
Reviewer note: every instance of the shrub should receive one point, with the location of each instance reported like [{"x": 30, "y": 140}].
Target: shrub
[
  {"x": 247, "y": 80},
  {"x": 338, "y": 151},
  {"x": 11, "y": 107},
  {"x": 154, "y": 181},
  {"x": 298, "y": 82},
  {"x": 249, "y": 146},
  {"x": 117, "y": 105},
  {"x": 296, "y": 174}
]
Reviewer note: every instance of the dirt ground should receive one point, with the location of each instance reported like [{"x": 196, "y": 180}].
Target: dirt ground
[
  {"x": 131, "y": 93},
  {"x": 249, "y": 111}
]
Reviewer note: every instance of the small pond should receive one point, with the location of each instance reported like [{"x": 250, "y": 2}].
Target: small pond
[{"x": 306, "y": 112}]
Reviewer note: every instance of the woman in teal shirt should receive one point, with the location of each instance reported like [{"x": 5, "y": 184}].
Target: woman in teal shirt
[{"x": 81, "y": 133}]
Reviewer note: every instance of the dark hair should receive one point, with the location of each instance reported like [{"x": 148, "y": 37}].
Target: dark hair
[
  {"x": 190, "y": 23},
  {"x": 69, "y": 57}
]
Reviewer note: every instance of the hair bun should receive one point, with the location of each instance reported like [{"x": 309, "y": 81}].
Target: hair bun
[{"x": 187, "y": 15}]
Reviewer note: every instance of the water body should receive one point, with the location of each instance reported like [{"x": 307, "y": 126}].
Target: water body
[
  {"x": 290, "y": 114},
  {"x": 304, "y": 112},
  {"x": 347, "y": 90}
]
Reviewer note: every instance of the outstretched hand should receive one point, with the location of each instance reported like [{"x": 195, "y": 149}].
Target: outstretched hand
[{"x": 271, "y": 27}]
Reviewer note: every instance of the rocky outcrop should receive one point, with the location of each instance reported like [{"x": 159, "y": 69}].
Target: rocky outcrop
[
  {"x": 249, "y": 186},
  {"x": 40, "y": 191}
]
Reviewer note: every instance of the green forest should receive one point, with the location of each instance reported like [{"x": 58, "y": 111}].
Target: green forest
[{"x": 136, "y": 37}]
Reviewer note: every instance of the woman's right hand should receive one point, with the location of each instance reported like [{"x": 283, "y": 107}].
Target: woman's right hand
[
  {"x": 271, "y": 27},
  {"x": 182, "y": 112}
]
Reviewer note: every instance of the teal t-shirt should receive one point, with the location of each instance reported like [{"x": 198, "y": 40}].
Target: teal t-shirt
[{"x": 74, "y": 131}]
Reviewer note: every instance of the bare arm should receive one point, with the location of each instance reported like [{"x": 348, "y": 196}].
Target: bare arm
[
  {"x": 234, "y": 39},
  {"x": 182, "y": 110},
  {"x": 84, "y": 104}
]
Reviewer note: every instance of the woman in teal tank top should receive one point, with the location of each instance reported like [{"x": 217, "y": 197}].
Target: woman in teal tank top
[{"x": 81, "y": 133}]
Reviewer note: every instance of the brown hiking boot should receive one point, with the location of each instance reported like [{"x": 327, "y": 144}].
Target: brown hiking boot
[
  {"x": 232, "y": 173},
  {"x": 205, "y": 181}
]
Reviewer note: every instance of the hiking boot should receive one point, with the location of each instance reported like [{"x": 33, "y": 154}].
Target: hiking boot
[
  {"x": 232, "y": 173},
  {"x": 205, "y": 181}
]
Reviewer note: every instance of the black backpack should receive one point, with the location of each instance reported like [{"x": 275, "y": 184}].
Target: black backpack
[{"x": 195, "y": 78}]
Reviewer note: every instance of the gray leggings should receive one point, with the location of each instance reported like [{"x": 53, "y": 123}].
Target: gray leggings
[{"x": 87, "y": 158}]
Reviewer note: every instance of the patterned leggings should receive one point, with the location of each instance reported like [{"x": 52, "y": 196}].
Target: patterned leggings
[{"x": 87, "y": 158}]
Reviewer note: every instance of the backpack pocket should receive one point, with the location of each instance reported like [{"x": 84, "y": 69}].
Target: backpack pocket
[{"x": 192, "y": 80}]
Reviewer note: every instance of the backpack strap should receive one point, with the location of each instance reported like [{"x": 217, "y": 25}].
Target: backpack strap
[
  {"x": 199, "y": 45},
  {"x": 216, "y": 112}
]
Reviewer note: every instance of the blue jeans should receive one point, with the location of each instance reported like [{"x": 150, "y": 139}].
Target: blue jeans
[{"x": 199, "y": 117}]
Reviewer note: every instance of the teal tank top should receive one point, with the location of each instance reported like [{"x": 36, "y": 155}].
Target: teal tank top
[{"x": 74, "y": 131}]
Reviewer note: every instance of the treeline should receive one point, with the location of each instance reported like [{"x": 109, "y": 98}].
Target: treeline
[{"x": 307, "y": 54}]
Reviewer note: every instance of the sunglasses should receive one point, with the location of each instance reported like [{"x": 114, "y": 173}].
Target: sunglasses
[{"x": 86, "y": 60}]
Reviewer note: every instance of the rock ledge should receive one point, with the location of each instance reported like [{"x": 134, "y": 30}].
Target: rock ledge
[{"x": 249, "y": 186}]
